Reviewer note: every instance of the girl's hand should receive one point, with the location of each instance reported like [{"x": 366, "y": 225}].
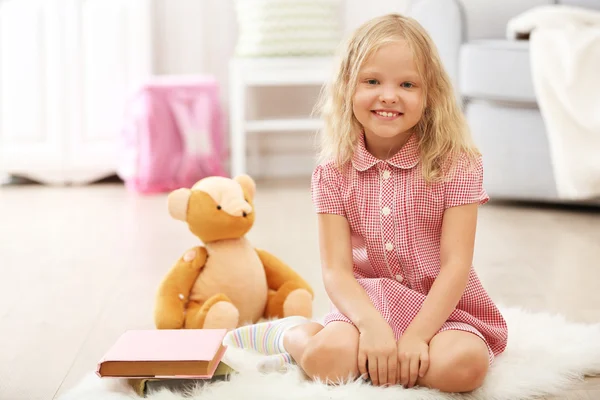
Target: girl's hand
[
  {"x": 377, "y": 353},
  {"x": 413, "y": 359}
]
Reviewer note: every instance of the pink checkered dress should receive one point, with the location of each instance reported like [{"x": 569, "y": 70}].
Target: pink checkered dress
[{"x": 395, "y": 220}]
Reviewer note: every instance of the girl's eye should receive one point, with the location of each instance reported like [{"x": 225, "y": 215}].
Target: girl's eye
[
  {"x": 372, "y": 81},
  {"x": 407, "y": 85}
]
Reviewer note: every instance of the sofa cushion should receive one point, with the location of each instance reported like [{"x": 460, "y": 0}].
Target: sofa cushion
[
  {"x": 496, "y": 70},
  {"x": 485, "y": 19},
  {"x": 592, "y": 4}
]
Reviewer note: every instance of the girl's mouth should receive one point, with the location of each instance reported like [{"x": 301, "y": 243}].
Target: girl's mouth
[{"x": 387, "y": 115}]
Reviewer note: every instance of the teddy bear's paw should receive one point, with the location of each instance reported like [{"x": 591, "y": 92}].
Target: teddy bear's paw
[
  {"x": 298, "y": 302},
  {"x": 222, "y": 315},
  {"x": 194, "y": 258}
]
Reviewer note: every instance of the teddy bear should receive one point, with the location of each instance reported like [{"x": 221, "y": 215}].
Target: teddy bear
[{"x": 226, "y": 282}]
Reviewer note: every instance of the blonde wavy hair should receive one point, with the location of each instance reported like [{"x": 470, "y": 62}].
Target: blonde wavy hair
[{"x": 442, "y": 131}]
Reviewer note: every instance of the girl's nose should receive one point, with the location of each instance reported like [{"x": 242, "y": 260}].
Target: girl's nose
[{"x": 388, "y": 96}]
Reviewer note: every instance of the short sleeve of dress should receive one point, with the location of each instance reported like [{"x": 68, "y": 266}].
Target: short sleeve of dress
[
  {"x": 465, "y": 185},
  {"x": 326, "y": 190}
]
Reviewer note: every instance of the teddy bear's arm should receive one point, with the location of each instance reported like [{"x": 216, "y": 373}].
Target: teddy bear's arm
[
  {"x": 289, "y": 293},
  {"x": 279, "y": 273},
  {"x": 174, "y": 290}
]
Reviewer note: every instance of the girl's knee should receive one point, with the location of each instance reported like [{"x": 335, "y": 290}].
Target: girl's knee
[
  {"x": 470, "y": 371},
  {"x": 459, "y": 363},
  {"x": 464, "y": 371},
  {"x": 330, "y": 361}
]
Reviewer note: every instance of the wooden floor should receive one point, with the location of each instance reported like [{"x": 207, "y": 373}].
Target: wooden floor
[{"x": 80, "y": 265}]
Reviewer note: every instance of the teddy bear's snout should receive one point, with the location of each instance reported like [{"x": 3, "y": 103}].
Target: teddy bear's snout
[{"x": 238, "y": 208}]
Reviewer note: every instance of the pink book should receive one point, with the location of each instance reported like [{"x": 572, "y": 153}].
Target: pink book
[{"x": 164, "y": 353}]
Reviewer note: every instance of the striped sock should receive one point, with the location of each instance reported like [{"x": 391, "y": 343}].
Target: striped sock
[{"x": 265, "y": 338}]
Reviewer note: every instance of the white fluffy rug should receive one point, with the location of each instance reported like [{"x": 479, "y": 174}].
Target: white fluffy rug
[{"x": 545, "y": 355}]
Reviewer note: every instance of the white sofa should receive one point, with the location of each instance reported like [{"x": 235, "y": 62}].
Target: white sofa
[{"x": 492, "y": 77}]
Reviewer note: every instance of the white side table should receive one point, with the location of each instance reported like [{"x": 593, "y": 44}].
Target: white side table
[{"x": 246, "y": 72}]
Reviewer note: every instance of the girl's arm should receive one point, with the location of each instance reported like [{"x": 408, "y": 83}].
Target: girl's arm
[
  {"x": 457, "y": 243},
  {"x": 377, "y": 354},
  {"x": 336, "y": 260}
]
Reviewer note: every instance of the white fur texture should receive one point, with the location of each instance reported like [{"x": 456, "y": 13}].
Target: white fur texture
[{"x": 545, "y": 355}]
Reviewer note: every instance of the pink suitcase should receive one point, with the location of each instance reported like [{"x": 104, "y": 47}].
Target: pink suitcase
[{"x": 172, "y": 135}]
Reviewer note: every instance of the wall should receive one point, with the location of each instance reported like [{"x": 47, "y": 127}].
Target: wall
[{"x": 199, "y": 36}]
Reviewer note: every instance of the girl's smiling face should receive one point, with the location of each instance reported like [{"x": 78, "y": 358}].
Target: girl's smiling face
[{"x": 388, "y": 100}]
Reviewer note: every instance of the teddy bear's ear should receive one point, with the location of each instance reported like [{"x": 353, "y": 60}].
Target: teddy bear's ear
[
  {"x": 247, "y": 184},
  {"x": 178, "y": 203}
]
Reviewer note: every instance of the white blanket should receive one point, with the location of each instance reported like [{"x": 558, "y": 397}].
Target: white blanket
[
  {"x": 565, "y": 65},
  {"x": 546, "y": 355}
]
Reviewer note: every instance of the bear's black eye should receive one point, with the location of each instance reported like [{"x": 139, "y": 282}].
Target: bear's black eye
[{"x": 218, "y": 207}]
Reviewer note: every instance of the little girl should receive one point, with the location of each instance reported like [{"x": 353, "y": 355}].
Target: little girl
[{"x": 397, "y": 195}]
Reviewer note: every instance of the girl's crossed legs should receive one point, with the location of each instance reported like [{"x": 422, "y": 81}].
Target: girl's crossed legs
[{"x": 458, "y": 360}]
